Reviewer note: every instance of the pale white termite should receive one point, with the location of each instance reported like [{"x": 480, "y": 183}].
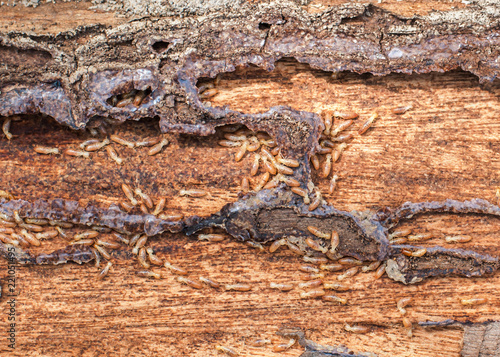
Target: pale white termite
[
  {"x": 284, "y": 346},
  {"x": 103, "y": 252},
  {"x": 380, "y": 271},
  {"x": 262, "y": 181},
  {"x": 401, "y": 110},
  {"x": 318, "y": 233},
  {"x": 294, "y": 249},
  {"x": 229, "y": 351},
  {"x": 77, "y": 153},
  {"x": 153, "y": 258},
  {"x": 276, "y": 244},
  {"x": 420, "y": 237},
  {"x": 335, "y": 286},
  {"x": 338, "y": 151},
  {"x": 108, "y": 244},
  {"x": 144, "y": 197},
  {"x": 311, "y": 284},
  {"x": 86, "y": 235},
  {"x": 139, "y": 97},
  {"x": 141, "y": 242},
  {"x": 212, "y": 237},
  {"x": 315, "y": 260},
  {"x": 348, "y": 273},
  {"x": 113, "y": 155},
  {"x": 98, "y": 145},
  {"x": 356, "y": 328},
  {"x": 255, "y": 165},
  {"x": 332, "y": 267},
  {"x": 457, "y": 239},
  {"x": 193, "y": 193},
  {"x": 122, "y": 141},
  {"x": 245, "y": 184},
  {"x": 335, "y": 298},
  {"x": 229, "y": 143},
  {"x": 30, "y": 238},
  {"x": 142, "y": 258},
  {"x": 315, "y": 161},
  {"x": 367, "y": 124},
  {"x": 190, "y": 282},
  {"x": 129, "y": 194},
  {"x": 160, "y": 206},
  {"x": 209, "y": 93},
  {"x": 328, "y": 123},
  {"x": 311, "y": 294},
  {"x": 281, "y": 286},
  {"x": 173, "y": 217},
  {"x": 158, "y": 147},
  {"x": 259, "y": 342},
  {"x": 47, "y": 234},
  {"x": 315, "y": 202},
  {"x": 6, "y": 128},
  {"x": 148, "y": 142},
  {"x": 314, "y": 245},
  {"x": 149, "y": 274},
  {"x": 46, "y": 150},
  {"x": 401, "y": 232},
  {"x": 209, "y": 282},
  {"x": 238, "y": 287},
  {"x": 241, "y": 151},
  {"x": 61, "y": 224},
  {"x": 473, "y": 301},
  {"x": 349, "y": 261},
  {"x": 105, "y": 271},
  {"x": 372, "y": 266},
  {"x": 346, "y": 115},
  {"x": 175, "y": 269},
  {"x": 341, "y": 127},
  {"x": 402, "y": 303}
]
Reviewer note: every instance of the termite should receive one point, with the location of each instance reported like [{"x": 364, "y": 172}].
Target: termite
[
  {"x": 149, "y": 274},
  {"x": 332, "y": 267},
  {"x": 139, "y": 97},
  {"x": 173, "y": 217},
  {"x": 209, "y": 93},
  {"x": 121, "y": 238},
  {"x": 7, "y": 224},
  {"x": 144, "y": 197},
  {"x": 160, "y": 206},
  {"x": 124, "y": 102},
  {"x": 103, "y": 252},
  {"x": 420, "y": 237},
  {"x": 473, "y": 301},
  {"x": 401, "y": 232},
  {"x": 289, "y": 181},
  {"x": 8, "y": 240},
  {"x": 148, "y": 142},
  {"x": 289, "y": 162},
  {"x": 356, "y": 328},
  {"x": 335, "y": 241},
  {"x": 313, "y": 276},
  {"x": 98, "y": 145},
  {"x": 267, "y": 154},
  {"x": 284, "y": 346},
  {"x": 31, "y": 227},
  {"x": 401, "y": 110},
  {"x": 343, "y": 138},
  {"x": 6, "y": 128},
  {"x": 328, "y": 123},
  {"x": 22, "y": 241},
  {"x": 315, "y": 260},
  {"x": 61, "y": 224},
  {"x": 315, "y": 161},
  {"x": 294, "y": 249},
  {"x": 193, "y": 193},
  {"x": 327, "y": 166},
  {"x": 17, "y": 218},
  {"x": 338, "y": 151},
  {"x": 333, "y": 184},
  {"x": 175, "y": 269},
  {"x": 253, "y": 145},
  {"x": 105, "y": 271},
  {"x": 348, "y": 273},
  {"x": 86, "y": 242},
  {"x": 335, "y": 286},
  {"x": 335, "y": 298},
  {"x": 209, "y": 282},
  {"x": 457, "y": 239},
  {"x": 262, "y": 181},
  {"x": 315, "y": 202},
  {"x": 7, "y": 195},
  {"x": 134, "y": 239},
  {"x": 370, "y": 267},
  {"x": 97, "y": 256},
  {"x": 255, "y": 245},
  {"x": 205, "y": 86},
  {"x": 281, "y": 286},
  {"x": 189, "y": 282},
  {"x": 108, "y": 244},
  {"x": 269, "y": 167},
  {"x": 141, "y": 257},
  {"x": 86, "y": 235},
  {"x": 311, "y": 284},
  {"x": 30, "y": 238},
  {"x": 37, "y": 221},
  {"x": 349, "y": 261},
  {"x": 315, "y": 231},
  {"x": 158, "y": 147},
  {"x": 314, "y": 245},
  {"x": 340, "y": 128},
  {"x": 46, "y": 150},
  {"x": 276, "y": 244},
  {"x": 282, "y": 169},
  {"x": 113, "y": 155},
  {"x": 122, "y": 141},
  {"x": 153, "y": 258},
  {"x": 227, "y": 350},
  {"x": 346, "y": 116},
  {"x": 61, "y": 232},
  {"x": 212, "y": 237},
  {"x": 407, "y": 322},
  {"x": 129, "y": 194},
  {"x": 273, "y": 183},
  {"x": 401, "y": 240},
  {"x": 311, "y": 294},
  {"x": 241, "y": 151},
  {"x": 402, "y": 303},
  {"x": 141, "y": 242},
  {"x": 323, "y": 150},
  {"x": 419, "y": 252},
  {"x": 367, "y": 124},
  {"x": 380, "y": 271},
  {"x": 101, "y": 229},
  {"x": 77, "y": 153},
  {"x": 259, "y": 342},
  {"x": 255, "y": 165},
  {"x": 229, "y": 143},
  {"x": 238, "y": 287},
  {"x": 7, "y": 230}
]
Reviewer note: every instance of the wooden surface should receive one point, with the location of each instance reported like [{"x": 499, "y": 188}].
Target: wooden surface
[{"x": 446, "y": 147}]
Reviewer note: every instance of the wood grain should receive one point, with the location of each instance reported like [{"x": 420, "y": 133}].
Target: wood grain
[{"x": 446, "y": 147}]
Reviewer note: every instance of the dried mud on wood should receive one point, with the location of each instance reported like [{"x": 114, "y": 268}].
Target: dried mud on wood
[{"x": 157, "y": 67}]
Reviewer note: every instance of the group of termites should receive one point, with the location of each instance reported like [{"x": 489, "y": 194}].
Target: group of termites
[{"x": 274, "y": 169}]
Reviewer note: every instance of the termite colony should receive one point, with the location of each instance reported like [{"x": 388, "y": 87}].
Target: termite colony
[{"x": 133, "y": 98}]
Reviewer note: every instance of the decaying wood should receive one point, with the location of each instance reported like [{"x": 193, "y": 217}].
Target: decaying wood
[{"x": 445, "y": 147}]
